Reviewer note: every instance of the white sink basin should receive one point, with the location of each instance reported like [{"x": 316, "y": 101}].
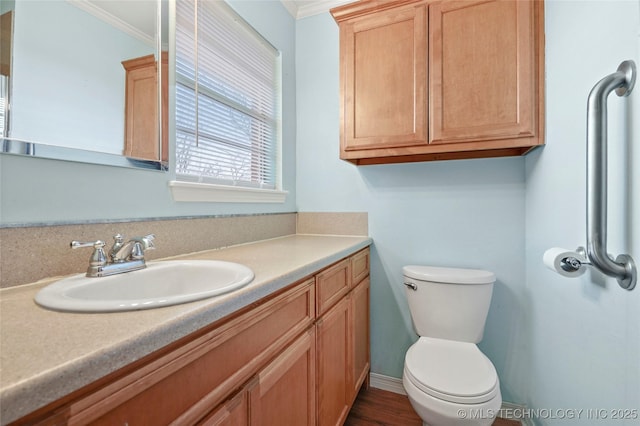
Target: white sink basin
[{"x": 159, "y": 284}]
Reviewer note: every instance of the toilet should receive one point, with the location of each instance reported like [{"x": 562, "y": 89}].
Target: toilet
[{"x": 448, "y": 380}]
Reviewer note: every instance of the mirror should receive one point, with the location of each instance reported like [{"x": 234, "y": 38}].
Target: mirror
[{"x": 81, "y": 81}]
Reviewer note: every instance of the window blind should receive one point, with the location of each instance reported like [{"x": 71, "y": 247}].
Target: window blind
[
  {"x": 4, "y": 84},
  {"x": 227, "y": 98}
]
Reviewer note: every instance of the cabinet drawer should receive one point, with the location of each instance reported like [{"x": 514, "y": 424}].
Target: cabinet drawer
[
  {"x": 359, "y": 267},
  {"x": 331, "y": 285},
  {"x": 187, "y": 383}
]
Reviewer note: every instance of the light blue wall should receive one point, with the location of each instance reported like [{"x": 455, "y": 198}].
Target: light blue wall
[
  {"x": 583, "y": 335},
  {"x": 558, "y": 344},
  {"x": 35, "y": 190},
  {"x": 452, "y": 213}
]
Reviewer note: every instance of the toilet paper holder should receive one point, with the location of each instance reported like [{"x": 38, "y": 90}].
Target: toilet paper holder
[
  {"x": 573, "y": 264},
  {"x": 623, "y": 267}
]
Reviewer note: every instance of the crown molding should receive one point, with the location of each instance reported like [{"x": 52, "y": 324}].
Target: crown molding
[
  {"x": 291, "y": 7},
  {"x": 304, "y": 8},
  {"x": 113, "y": 21}
]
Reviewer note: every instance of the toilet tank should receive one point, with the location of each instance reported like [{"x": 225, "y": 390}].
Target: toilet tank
[{"x": 448, "y": 303}]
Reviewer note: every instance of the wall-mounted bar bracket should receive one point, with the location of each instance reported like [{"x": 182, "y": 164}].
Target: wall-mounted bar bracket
[{"x": 623, "y": 267}]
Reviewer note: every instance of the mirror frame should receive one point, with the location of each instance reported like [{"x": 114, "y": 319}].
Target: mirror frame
[{"x": 23, "y": 148}]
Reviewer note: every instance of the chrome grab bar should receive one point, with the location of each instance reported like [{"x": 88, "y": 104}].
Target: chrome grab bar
[{"x": 623, "y": 267}]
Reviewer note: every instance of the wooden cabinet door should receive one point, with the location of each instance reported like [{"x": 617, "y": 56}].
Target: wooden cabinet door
[
  {"x": 285, "y": 391},
  {"x": 482, "y": 71},
  {"x": 383, "y": 72},
  {"x": 334, "y": 364},
  {"x": 359, "y": 336}
]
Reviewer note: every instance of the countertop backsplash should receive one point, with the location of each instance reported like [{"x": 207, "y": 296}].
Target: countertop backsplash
[{"x": 32, "y": 253}]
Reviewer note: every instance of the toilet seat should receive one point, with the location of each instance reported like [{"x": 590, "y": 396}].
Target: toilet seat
[{"x": 452, "y": 371}]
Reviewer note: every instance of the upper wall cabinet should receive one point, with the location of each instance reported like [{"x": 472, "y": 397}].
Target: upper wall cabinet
[{"x": 436, "y": 80}]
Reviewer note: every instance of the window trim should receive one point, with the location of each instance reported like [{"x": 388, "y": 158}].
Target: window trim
[{"x": 185, "y": 191}]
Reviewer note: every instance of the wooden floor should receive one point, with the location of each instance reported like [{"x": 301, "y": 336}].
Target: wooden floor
[{"x": 375, "y": 407}]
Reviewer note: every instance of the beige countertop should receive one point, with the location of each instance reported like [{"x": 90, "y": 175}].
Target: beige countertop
[{"x": 45, "y": 355}]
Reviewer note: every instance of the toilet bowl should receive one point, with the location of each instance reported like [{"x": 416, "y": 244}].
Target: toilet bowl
[{"x": 448, "y": 380}]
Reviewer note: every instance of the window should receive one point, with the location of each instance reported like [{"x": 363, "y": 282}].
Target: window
[
  {"x": 4, "y": 88},
  {"x": 227, "y": 102}
]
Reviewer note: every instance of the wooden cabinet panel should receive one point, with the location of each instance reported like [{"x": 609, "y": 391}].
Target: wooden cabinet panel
[
  {"x": 6, "y": 43},
  {"x": 142, "y": 131},
  {"x": 482, "y": 74},
  {"x": 331, "y": 285},
  {"x": 334, "y": 365},
  {"x": 234, "y": 412},
  {"x": 359, "y": 266},
  {"x": 424, "y": 80},
  {"x": 384, "y": 79},
  {"x": 359, "y": 322},
  {"x": 190, "y": 381},
  {"x": 285, "y": 391},
  {"x": 342, "y": 335}
]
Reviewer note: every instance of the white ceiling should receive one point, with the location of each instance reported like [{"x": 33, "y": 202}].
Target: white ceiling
[{"x": 303, "y": 8}]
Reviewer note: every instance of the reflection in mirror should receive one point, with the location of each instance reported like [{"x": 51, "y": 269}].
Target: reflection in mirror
[
  {"x": 6, "y": 23},
  {"x": 83, "y": 75}
]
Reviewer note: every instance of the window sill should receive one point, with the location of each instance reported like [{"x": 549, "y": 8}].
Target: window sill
[{"x": 206, "y": 192}]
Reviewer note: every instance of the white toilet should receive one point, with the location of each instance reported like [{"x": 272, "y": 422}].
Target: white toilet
[{"x": 448, "y": 380}]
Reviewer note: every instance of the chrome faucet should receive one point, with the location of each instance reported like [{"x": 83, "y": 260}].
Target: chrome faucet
[{"x": 123, "y": 257}]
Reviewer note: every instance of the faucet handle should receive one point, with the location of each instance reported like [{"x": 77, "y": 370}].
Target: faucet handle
[
  {"x": 98, "y": 257},
  {"x": 140, "y": 245},
  {"x": 137, "y": 252}
]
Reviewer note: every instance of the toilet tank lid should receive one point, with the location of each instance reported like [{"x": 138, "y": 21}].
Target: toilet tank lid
[{"x": 448, "y": 275}]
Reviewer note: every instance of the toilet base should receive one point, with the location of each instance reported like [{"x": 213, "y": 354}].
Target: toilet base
[{"x": 437, "y": 412}]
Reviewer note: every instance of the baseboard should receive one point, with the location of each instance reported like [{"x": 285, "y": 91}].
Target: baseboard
[
  {"x": 391, "y": 384},
  {"x": 508, "y": 410}
]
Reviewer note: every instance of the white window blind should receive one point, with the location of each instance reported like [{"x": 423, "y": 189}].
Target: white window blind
[
  {"x": 4, "y": 84},
  {"x": 227, "y": 98}
]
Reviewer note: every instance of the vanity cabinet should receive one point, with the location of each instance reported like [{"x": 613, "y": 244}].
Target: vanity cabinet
[
  {"x": 273, "y": 363},
  {"x": 142, "y": 133},
  {"x": 342, "y": 333},
  {"x": 434, "y": 80}
]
